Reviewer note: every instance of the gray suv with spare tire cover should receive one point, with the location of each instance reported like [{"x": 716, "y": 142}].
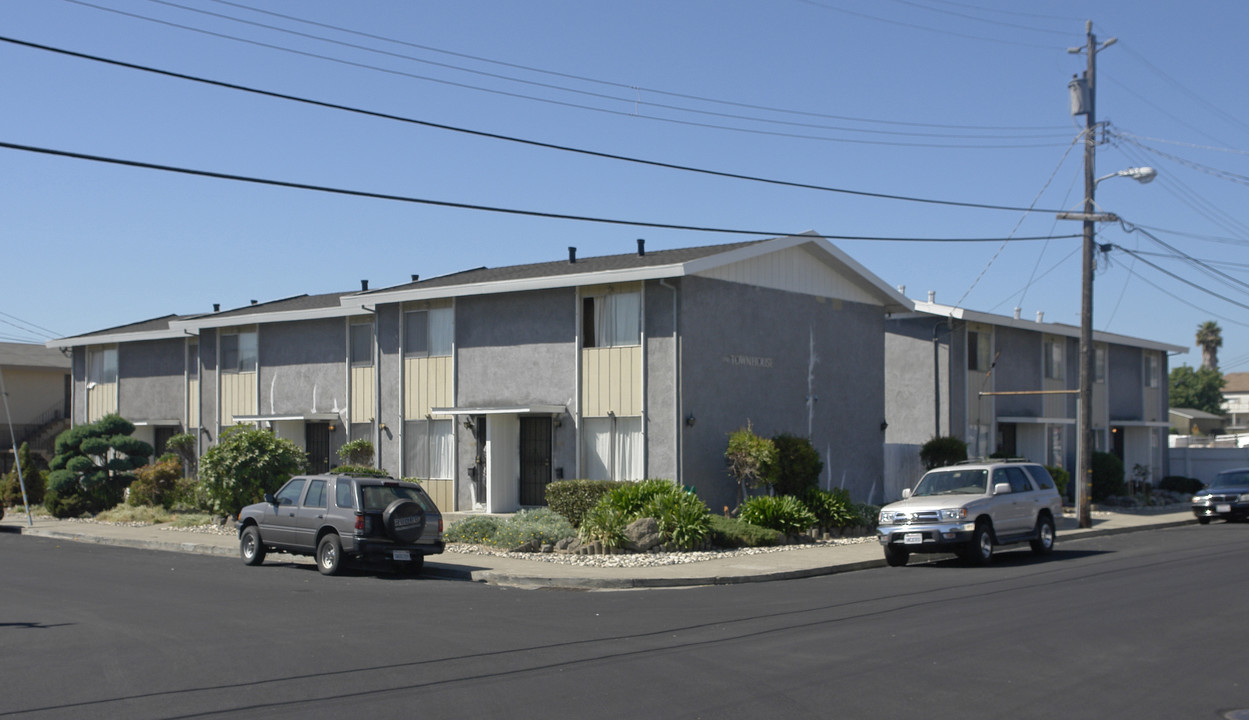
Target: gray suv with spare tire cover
[
  {"x": 337, "y": 518},
  {"x": 971, "y": 508}
]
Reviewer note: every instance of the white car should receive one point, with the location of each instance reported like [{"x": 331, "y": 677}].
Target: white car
[{"x": 971, "y": 508}]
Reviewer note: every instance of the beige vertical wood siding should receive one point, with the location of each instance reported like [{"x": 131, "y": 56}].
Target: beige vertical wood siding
[
  {"x": 427, "y": 384},
  {"x": 238, "y": 395},
  {"x": 362, "y": 385},
  {"x": 611, "y": 381},
  {"x": 442, "y": 492},
  {"x": 101, "y": 401},
  {"x": 192, "y": 403}
]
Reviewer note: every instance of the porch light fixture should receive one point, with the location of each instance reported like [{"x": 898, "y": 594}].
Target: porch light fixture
[{"x": 690, "y": 420}]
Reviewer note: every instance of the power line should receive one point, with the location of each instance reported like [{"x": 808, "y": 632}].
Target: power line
[
  {"x": 562, "y": 103},
  {"x": 472, "y": 206},
  {"x": 1191, "y": 284},
  {"x": 496, "y": 136},
  {"x": 607, "y": 83},
  {"x": 926, "y": 28}
]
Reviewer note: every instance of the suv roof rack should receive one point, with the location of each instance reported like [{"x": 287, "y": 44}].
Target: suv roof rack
[{"x": 986, "y": 461}]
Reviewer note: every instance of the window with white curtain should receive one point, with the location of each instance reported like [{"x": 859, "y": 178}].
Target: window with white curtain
[
  {"x": 612, "y": 448},
  {"x": 430, "y": 447},
  {"x": 612, "y": 320},
  {"x": 1053, "y": 359},
  {"x": 429, "y": 333},
  {"x": 239, "y": 351},
  {"x": 103, "y": 365}
]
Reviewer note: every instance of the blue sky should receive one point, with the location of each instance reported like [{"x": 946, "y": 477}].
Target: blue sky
[{"x": 933, "y": 99}]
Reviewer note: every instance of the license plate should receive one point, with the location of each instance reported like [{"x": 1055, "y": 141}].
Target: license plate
[
  {"x": 1223, "y": 508},
  {"x": 403, "y": 555},
  {"x": 913, "y": 539}
]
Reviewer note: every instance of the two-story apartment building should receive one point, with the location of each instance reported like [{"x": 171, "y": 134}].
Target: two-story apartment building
[
  {"x": 37, "y": 393},
  {"x": 1008, "y": 385},
  {"x": 491, "y": 383}
]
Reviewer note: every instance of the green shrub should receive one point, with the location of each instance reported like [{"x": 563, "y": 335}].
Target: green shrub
[
  {"x": 357, "y": 452},
  {"x": 34, "y": 478},
  {"x": 186, "y": 448},
  {"x": 1062, "y": 479},
  {"x": 604, "y": 524},
  {"x": 683, "y": 518},
  {"x": 362, "y": 470},
  {"x": 157, "y": 484},
  {"x": 474, "y": 530},
  {"x": 246, "y": 464},
  {"x": 784, "y": 513},
  {"x": 540, "y": 525},
  {"x": 1180, "y": 484},
  {"x": 1107, "y": 480},
  {"x": 750, "y": 459},
  {"x": 574, "y": 498},
  {"x": 942, "y": 451},
  {"x": 797, "y": 466},
  {"x": 733, "y": 533},
  {"x": 831, "y": 509},
  {"x": 92, "y": 466}
]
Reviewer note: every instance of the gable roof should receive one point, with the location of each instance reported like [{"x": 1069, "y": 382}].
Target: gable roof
[
  {"x": 154, "y": 329},
  {"x": 1236, "y": 383},
  {"x": 28, "y": 355}
]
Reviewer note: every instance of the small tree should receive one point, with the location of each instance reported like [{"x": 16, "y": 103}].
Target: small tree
[
  {"x": 184, "y": 446},
  {"x": 1200, "y": 389},
  {"x": 245, "y": 465},
  {"x": 1107, "y": 477},
  {"x": 798, "y": 465},
  {"x": 34, "y": 478},
  {"x": 92, "y": 467},
  {"x": 750, "y": 459},
  {"x": 942, "y": 451},
  {"x": 157, "y": 484}
]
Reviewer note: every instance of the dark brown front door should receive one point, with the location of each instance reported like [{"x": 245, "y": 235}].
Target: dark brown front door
[{"x": 535, "y": 459}]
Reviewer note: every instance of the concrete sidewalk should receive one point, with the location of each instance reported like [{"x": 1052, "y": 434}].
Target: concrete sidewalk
[{"x": 795, "y": 562}]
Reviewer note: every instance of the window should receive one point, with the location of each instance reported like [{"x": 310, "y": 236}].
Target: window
[
  {"x": 290, "y": 492},
  {"x": 361, "y": 340},
  {"x": 612, "y": 320},
  {"x": 1099, "y": 364},
  {"x": 316, "y": 494},
  {"x": 238, "y": 352},
  {"x": 428, "y": 333},
  {"x": 103, "y": 366},
  {"x": 1019, "y": 482},
  {"x": 1151, "y": 371},
  {"x": 192, "y": 361},
  {"x": 342, "y": 494},
  {"x": 612, "y": 448},
  {"x": 1053, "y": 359},
  {"x": 430, "y": 449},
  {"x": 1040, "y": 476},
  {"x": 978, "y": 351}
]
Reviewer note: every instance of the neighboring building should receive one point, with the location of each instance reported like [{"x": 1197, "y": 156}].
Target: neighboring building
[
  {"x": 36, "y": 379},
  {"x": 1189, "y": 422},
  {"x": 491, "y": 383},
  {"x": 1007, "y": 385},
  {"x": 1236, "y": 401}
]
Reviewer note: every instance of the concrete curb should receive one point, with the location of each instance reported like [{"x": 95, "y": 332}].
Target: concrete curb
[{"x": 172, "y": 546}]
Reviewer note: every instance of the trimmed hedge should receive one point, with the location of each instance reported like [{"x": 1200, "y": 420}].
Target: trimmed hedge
[
  {"x": 1180, "y": 484},
  {"x": 575, "y": 498},
  {"x": 734, "y": 533}
]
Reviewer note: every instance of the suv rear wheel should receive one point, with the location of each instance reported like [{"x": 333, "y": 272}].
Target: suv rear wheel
[
  {"x": 1043, "y": 543},
  {"x": 330, "y": 555}
]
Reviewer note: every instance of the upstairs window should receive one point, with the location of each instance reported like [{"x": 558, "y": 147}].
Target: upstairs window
[
  {"x": 1099, "y": 364},
  {"x": 978, "y": 351},
  {"x": 428, "y": 333},
  {"x": 1151, "y": 371},
  {"x": 612, "y": 320},
  {"x": 361, "y": 341},
  {"x": 1054, "y": 360},
  {"x": 103, "y": 366},
  {"x": 239, "y": 352}
]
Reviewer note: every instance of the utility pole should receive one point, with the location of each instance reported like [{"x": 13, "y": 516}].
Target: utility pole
[{"x": 1084, "y": 410}]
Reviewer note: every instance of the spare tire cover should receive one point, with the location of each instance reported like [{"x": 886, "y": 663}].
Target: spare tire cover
[{"x": 404, "y": 521}]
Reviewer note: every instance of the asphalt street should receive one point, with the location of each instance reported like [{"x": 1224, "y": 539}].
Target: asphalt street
[{"x": 1142, "y": 625}]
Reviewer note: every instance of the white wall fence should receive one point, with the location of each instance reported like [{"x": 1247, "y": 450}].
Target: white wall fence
[{"x": 1203, "y": 463}]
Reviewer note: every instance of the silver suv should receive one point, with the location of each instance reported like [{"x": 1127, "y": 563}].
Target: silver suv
[
  {"x": 970, "y": 508},
  {"x": 336, "y": 518}
]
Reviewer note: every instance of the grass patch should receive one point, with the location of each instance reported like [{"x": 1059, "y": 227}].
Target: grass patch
[
  {"x": 135, "y": 514},
  {"x": 735, "y": 533}
]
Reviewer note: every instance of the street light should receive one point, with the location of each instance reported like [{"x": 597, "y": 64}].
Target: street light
[{"x": 1140, "y": 174}]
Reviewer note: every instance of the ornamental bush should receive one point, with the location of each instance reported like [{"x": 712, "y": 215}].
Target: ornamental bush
[
  {"x": 831, "y": 509},
  {"x": 574, "y": 498},
  {"x": 357, "y": 452},
  {"x": 1174, "y": 483},
  {"x": 735, "y": 532},
  {"x": 1107, "y": 477},
  {"x": 942, "y": 451},
  {"x": 158, "y": 484},
  {"x": 34, "y": 478},
  {"x": 683, "y": 519},
  {"x": 246, "y": 464},
  {"x": 784, "y": 513},
  {"x": 93, "y": 466},
  {"x": 797, "y": 467}
]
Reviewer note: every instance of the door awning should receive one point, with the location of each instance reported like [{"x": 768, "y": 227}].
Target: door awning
[
  {"x": 519, "y": 409},
  {"x": 307, "y": 417}
]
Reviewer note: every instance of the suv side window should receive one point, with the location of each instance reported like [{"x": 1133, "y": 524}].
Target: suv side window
[
  {"x": 290, "y": 492},
  {"x": 342, "y": 494},
  {"x": 1019, "y": 482},
  {"x": 316, "y": 494},
  {"x": 1040, "y": 476}
]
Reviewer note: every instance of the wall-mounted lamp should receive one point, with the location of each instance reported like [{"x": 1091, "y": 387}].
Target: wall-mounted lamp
[
  {"x": 690, "y": 420},
  {"x": 468, "y": 425},
  {"x": 332, "y": 427},
  {"x": 556, "y": 421},
  {"x": 381, "y": 426},
  {"x": 883, "y": 425}
]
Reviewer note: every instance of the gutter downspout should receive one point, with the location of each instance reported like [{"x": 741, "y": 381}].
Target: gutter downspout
[{"x": 677, "y": 430}]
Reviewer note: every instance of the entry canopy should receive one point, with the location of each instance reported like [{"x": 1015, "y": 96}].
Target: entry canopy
[
  {"x": 519, "y": 409},
  {"x": 307, "y": 417}
]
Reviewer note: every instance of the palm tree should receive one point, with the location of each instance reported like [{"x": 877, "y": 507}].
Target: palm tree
[{"x": 1209, "y": 339}]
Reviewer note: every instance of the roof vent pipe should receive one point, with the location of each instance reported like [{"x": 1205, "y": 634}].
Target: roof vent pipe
[
  {"x": 415, "y": 277},
  {"x": 641, "y": 247},
  {"x": 572, "y": 255},
  {"x": 364, "y": 285},
  {"x": 932, "y": 296},
  {"x": 1040, "y": 316},
  {"x": 902, "y": 290},
  {"x": 216, "y": 307},
  {"x": 1018, "y": 313},
  {"x": 255, "y": 302}
]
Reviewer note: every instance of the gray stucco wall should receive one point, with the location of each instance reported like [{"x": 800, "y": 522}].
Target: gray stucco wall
[
  {"x": 302, "y": 367},
  {"x": 209, "y": 415},
  {"x": 1125, "y": 378},
  {"x": 1018, "y": 369},
  {"x": 517, "y": 349},
  {"x": 746, "y": 357},
  {"x": 911, "y": 400},
  {"x": 150, "y": 380},
  {"x": 389, "y": 364},
  {"x": 662, "y": 422}
]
